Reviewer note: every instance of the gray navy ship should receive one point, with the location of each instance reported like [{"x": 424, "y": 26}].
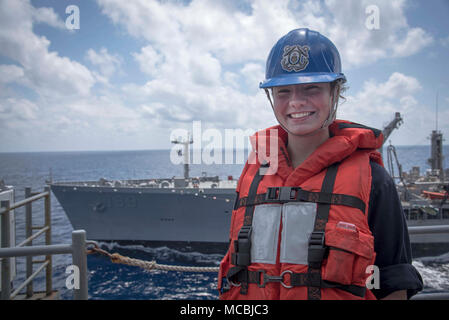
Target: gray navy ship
[
  {"x": 194, "y": 213},
  {"x": 187, "y": 213}
]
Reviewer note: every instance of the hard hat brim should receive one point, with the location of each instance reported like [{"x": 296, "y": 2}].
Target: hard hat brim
[{"x": 302, "y": 78}]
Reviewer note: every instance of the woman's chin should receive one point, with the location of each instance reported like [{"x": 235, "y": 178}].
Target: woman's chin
[{"x": 300, "y": 130}]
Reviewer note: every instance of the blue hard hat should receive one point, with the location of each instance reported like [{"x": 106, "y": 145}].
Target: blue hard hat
[{"x": 302, "y": 56}]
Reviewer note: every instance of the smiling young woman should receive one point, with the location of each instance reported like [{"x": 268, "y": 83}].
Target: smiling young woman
[{"x": 329, "y": 211}]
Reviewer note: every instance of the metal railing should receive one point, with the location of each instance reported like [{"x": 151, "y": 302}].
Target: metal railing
[
  {"x": 428, "y": 229},
  {"x": 77, "y": 249},
  {"x": 5, "y": 213},
  {"x": 26, "y": 249}
]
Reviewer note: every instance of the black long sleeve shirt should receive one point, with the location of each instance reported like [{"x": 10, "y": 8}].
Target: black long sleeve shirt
[{"x": 387, "y": 223}]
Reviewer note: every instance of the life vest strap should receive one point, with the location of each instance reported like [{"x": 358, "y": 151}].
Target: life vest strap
[
  {"x": 242, "y": 246},
  {"x": 314, "y": 280},
  {"x": 236, "y": 276},
  {"x": 296, "y": 194},
  {"x": 317, "y": 248}
]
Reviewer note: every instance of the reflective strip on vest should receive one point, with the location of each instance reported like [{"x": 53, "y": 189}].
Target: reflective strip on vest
[
  {"x": 298, "y": 222},
  {"x": 265, "y": 233}
]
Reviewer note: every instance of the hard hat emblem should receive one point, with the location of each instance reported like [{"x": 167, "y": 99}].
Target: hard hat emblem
[{"x": 295, "y": 58}]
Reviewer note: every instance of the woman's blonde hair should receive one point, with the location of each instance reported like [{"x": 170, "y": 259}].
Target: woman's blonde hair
[{"x": 340, "y": 86}]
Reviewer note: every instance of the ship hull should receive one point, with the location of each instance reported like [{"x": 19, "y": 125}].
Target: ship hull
[{"x": 145, "y": 215}]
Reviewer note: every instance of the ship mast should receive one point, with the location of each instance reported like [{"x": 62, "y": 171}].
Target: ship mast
[
  {"x": 436, "y": 155},
  {"x": 185, "y": 153}
]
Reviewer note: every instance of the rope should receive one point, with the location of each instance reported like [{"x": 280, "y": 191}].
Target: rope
[{"x": 147, "y": 265}]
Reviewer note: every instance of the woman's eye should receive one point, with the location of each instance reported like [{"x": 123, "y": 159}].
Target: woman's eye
[{"x": 313, "y": 90}]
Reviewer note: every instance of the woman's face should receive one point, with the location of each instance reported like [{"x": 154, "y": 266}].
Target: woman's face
[{"x": 302, "y": 108}]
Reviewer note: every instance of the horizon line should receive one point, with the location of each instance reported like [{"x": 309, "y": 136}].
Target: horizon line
[{"x": 129, "y": 150}]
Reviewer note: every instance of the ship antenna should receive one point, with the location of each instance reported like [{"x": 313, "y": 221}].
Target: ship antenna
[
  {"x": 436, "y": 113},
  {"x": 436, "y": 159},
  {"x": 50, "y": 180},
  {"x": 186, "y": 152}
]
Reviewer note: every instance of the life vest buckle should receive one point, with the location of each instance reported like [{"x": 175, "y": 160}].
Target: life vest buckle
[
  {"x": 267, "y": 278},
  {"x": 317, "y": 238},
  {"x": 242, "y": 247},
  {"x": 281, "y": 194},
  {"x": 231, "y": 283},
  {"x": 317, "y": 249}
]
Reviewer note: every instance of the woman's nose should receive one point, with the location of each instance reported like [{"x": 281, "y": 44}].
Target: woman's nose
[{"x": 297, "y": 100}]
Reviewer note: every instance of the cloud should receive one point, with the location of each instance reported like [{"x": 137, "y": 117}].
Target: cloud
[
  {"x": 44, "y": 71},
  {"x": 248, "y": 36},
  {"x": 172, "y": 26},
  {"x": 47, "y": 16},
  {"x": 415, "y": 40},
  {"x": 14, "y": 111},
  {"x": 205, "y": 59},
  {"x": 54, "y": 96},
  {"x": 149, "y": 60},
  {"x": 252, "y": 73},
  {"x": 10, "y": 73},
  {"x": 376, "y": 104},
  {"x": 381, "y": 100},
  {"x": 107, "y": 63},
  {"x": 360, "y": 45}
]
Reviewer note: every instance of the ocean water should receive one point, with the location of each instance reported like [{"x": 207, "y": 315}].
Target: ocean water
[{"x": 112, "y": 281}]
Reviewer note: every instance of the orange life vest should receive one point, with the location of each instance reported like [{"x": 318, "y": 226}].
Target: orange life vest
[{"x": 303, "y": 233}]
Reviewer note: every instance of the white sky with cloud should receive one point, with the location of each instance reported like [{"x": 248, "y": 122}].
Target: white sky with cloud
[{"x": 137, "y": 70}]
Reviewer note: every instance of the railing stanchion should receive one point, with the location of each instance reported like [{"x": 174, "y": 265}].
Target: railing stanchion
[
  {"x": 48, "y": 271},
  {"x": 6, "y": 243},
  {"x": 80, "y": 261},
  {"x": 29, "y": 233}
]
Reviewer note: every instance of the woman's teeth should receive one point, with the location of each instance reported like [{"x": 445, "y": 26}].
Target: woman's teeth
[{"x": 300, "y": 114}]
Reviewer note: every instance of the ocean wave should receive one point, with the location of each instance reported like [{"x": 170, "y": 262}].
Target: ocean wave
[{"x": 435, "y": 277}]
